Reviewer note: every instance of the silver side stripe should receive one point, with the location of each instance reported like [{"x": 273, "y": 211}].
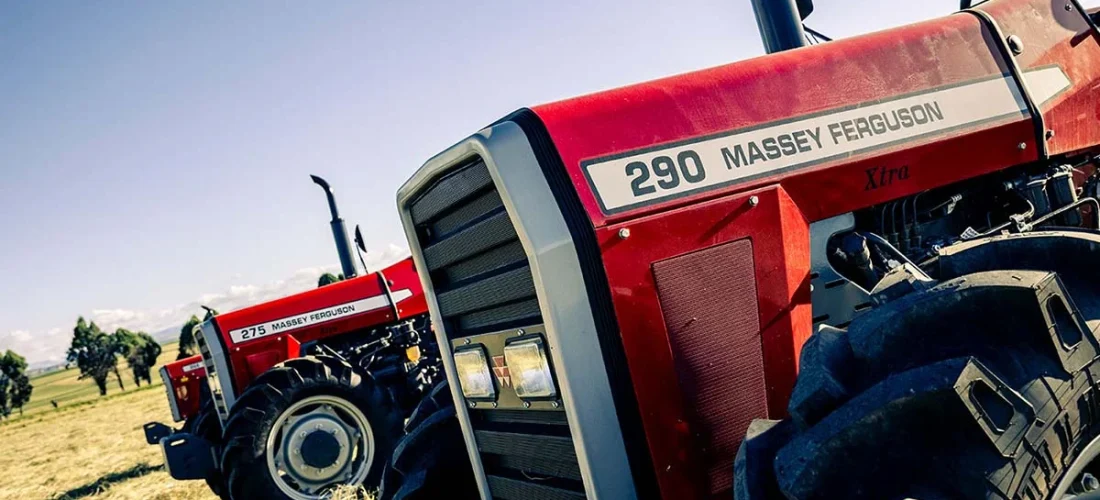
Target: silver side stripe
[
  {"x": 656, "y": 174},
  {"x": 310, "y": 318}
]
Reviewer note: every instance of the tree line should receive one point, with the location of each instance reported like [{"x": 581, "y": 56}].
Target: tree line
[
  {"x": 15, "y": 385},
  {"x": 96, "y": 354}
]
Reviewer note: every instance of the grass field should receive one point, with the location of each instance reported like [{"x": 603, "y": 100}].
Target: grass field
[
  {"x": 66, "y": 388},
  {"x": 95, "y": 449}
]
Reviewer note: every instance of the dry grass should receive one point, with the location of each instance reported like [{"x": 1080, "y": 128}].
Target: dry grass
[{"x": 95, "y": 450}]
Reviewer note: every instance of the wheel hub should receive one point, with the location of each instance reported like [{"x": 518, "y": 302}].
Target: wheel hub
[
  {"x": 317, "y": 443},
  {"x": 320, "y": 450}
]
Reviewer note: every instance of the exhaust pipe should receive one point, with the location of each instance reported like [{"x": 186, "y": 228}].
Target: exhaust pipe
[
  {"x": 780, "y": 23},
  {"x": 339, "y": 232}
]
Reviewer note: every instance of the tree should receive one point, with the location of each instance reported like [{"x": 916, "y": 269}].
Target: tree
[
  {"x": 5, "y": 401},
  {"x": 150, "y": 351},
  {"x": 140, "y": 351},
  {"x": 94, "y": 353},
  {"x": 328, "y": 279},
  {"x": 128, "y": 345},
  {"x": 15, "y": 386},
  {"x": 12, "y": 364},
  {"x": 21, "y": 389},
  {"x": 187, "y": 338}
]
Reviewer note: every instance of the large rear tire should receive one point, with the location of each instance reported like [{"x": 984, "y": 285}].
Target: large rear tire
[
  {"x": 431, "y": 460},
  {"x": 984, "y": 386},
  {"x": 306, "y": 426}
]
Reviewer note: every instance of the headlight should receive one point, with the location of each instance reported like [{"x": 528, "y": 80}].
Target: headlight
[
  {"x": 473, "y": 373},
  {"x": 530, "y": 368}
]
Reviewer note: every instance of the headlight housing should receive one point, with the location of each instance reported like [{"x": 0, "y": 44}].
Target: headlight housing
[
  {"x": 473, "y": 373},
  {"x": 529, "y": 367}
]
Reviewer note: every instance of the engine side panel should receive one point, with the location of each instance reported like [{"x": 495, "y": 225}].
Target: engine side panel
[{"x": 780, "y": 321}]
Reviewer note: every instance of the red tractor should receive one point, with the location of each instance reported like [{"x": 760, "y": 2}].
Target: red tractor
[
  {"x": 860, "y": 269},
  {"x": 310, "y": 391}
]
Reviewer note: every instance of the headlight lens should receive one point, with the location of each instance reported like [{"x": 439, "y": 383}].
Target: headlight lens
[
  {"x": 473, "y": 373},
  {"x": 530, "y": 369}
]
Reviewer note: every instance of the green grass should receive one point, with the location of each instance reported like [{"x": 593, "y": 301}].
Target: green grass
[{"x": 65, "y": 386}]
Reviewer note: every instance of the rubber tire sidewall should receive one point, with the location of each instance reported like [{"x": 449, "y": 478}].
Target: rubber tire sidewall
[{"x": 245, "y": 456}]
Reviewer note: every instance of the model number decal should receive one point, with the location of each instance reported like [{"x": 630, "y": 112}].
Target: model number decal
[
  {"x": 192, "y": 367},
  {"x": 656, "y": 174},
  {"x": 669, "y": 173},
  {"x": 318, "y": 316}
]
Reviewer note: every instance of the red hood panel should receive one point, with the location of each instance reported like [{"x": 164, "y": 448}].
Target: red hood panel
[
  {"x": 306, "y": 312},
  {"x": 878, "y": 115}
]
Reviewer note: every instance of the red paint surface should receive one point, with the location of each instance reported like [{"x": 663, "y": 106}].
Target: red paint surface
[
  {"x": 250, "y": 358},
  {"x": 781, "y": 251},
  {"x": 1053, "y": 35},
  {"x": 950, "y": 50},
  {"x": 187, "y": 398}
]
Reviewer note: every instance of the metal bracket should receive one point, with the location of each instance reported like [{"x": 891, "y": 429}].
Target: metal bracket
[
  {"x": 389, "y": 294},
  {"x": 1017, "y": 75},
  {"x": 1085, "y": 14}
]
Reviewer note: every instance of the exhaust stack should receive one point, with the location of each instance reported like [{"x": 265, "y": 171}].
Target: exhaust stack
[
  {"x": 339, "y": 232},
  {"x": 780, "y": 23}
]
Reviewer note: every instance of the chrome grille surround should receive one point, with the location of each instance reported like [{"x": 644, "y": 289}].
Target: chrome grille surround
[{"x": 565, "y": 310}]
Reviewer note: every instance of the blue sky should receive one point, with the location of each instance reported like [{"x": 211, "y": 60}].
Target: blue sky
[{"x": 155, "y": 155}]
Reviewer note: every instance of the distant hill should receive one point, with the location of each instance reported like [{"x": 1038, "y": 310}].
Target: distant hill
[{"x": 167, "y": 335}]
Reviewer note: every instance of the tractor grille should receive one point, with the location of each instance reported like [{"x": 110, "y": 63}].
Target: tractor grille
[
  {"x": 475, "y": 261},
  {"x": 482, "y": 283},
  {"x": 212, "y": 376},
  {"x": 527, "y": 454}
]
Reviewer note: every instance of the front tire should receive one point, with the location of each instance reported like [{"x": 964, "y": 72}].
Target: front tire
[
  {"x": 306, "y": 426},
  {"x": 986, "y": 385},
  {"x": 431, "y": 461}
]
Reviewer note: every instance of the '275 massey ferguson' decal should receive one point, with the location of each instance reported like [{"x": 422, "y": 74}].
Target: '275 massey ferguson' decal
[
  {"x": 309, "y": 318},
  {"x": 655, "y": 174}
]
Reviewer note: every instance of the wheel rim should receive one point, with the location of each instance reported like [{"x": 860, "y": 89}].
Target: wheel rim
[
  {"x": 319, "y": 442},
  {"x": 1076, "y": 470}
]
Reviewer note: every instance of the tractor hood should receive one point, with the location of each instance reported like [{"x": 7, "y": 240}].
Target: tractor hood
[
  {"x": 340, "y": 307},
  {"x": 882, "y": 115}
]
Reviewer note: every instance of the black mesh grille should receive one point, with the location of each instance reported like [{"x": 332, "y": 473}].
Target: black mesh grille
[
  {"x": 474, "y": 258},
  {"x": 527, "y": 454}
]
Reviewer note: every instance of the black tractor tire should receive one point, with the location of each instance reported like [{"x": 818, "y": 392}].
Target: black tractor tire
[
  {"x": 431, "y": 461},
  {"x": 244, "y": 455},
  {"x": 207, "y": 426},
  {"x": 986, "y": 385}
]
